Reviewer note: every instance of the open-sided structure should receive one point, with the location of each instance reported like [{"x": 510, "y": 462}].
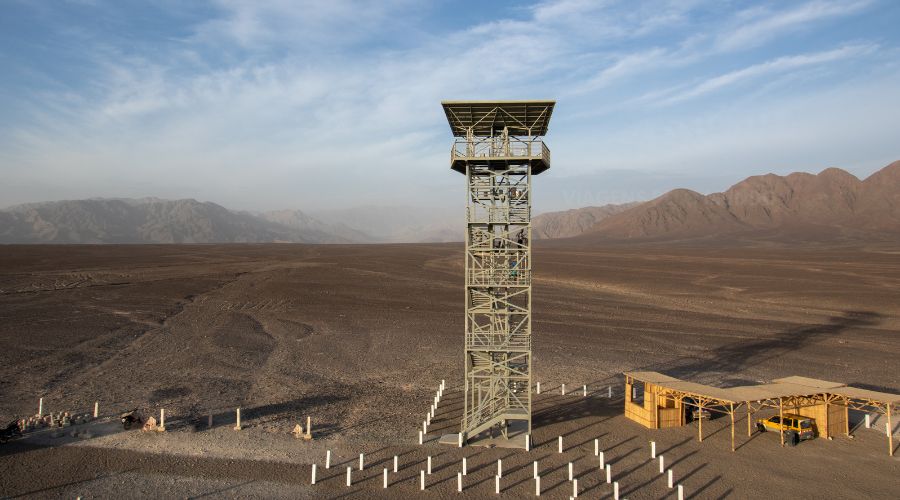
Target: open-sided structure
[
  {"x": 498, "y": 147},
  {"x": 663, "y": 400}
]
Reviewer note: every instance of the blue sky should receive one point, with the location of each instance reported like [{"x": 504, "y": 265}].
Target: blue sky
[{"x": 318, "y": 105}]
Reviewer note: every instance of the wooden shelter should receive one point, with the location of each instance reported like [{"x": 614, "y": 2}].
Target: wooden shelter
[{"x": 665, "y": 399}]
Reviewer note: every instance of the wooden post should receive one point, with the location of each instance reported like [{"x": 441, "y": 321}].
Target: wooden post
[
  {"x": 890, "y": 430},
  {"x": 847, "y": 416},
  {"x": 781, "y": 419},
  {"x": 732, "y": 427},
  {"x": 308, "y": 427},
  {"x": 749, "y": 420},
  {"x": 96, "y": 409},
  {"x": 700, "y": 427}
]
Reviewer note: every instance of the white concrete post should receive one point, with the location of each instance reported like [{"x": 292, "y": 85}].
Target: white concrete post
[
  {"x": 596, "y": 447},
  {"x": 428, "y": 418},
  {"x": 499, "y": 467},
  {"x": 460, "y": 440},
  {"x": 652, "y": 449},
  {"x": 584, "y": 391},
  {"x": 361, "y": 463},
  {"x": 616, "y": 490},
  {"x": 420, "y": 437},
  {"x": 669, "y": 482},
  {"x": 609, "y": 392},
  {"x": 868, "y": 421},
  {"x": 425, "y": 427},
  {"x": 497, "y": 484},
  {"x": 538, "y": 387},
  {"x": 96, "y": 409},
  {"x": 465, "y": 467},
  {"x": 537, "y": 486},
  {"x": 348, "y": 475},
  {"x": 680, "y": 492},
  {"x": 562, "y": 389},
  {"x": 575, "y": 488},
  {"x": 422, "y": 480},
  {"x": 662, "y": 466},
  {"x": 327, "y": 459},
  {"x": 608, "y": 474},
  {"x": 459, "y": 481},
  {"x": 237, "y": 426},
  {"x": 560, "y": 444},
  {"x": 527, "y": 442},
  {"x": 571, "y": 476},
  {"x": 384, "y": 475},
  {"x": 429, "y": 465},
  {"x": 602, "y": 460},
  {"x": 536, "y": 470},
  {"x": 313, "y": 481},
  {"x": 395, "y": 463}
]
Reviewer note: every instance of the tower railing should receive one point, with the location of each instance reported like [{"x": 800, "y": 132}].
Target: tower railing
[{"x": 498, "y": 147}]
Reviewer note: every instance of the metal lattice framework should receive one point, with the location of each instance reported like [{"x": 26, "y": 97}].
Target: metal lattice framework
[{"x": 499, "y": 148}]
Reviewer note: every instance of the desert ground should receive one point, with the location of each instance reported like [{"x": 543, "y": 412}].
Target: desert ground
[{"x": 358, "y": 337}]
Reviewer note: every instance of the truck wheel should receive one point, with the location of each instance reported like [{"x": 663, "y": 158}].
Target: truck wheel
[
  {"x": 791, "y": 438},
  {"x": 760, "y": 427}
]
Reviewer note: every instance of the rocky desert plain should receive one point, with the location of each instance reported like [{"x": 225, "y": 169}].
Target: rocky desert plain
[{"x": 358, "y": 337}]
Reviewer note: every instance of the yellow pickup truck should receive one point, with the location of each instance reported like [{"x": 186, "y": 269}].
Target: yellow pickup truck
[{"x": 796, "y": 427}]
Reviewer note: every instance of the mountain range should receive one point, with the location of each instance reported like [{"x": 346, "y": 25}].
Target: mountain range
[{"x": 831, "y": 206}]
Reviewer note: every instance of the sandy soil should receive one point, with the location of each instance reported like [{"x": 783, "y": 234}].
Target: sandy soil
[{"x": 358, "y": 338}]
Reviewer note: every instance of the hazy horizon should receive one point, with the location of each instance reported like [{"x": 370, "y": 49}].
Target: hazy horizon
[{"x": 301, "y": 105}]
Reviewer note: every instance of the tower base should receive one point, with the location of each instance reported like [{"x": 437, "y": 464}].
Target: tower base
[{"x": 516, "y": 430}]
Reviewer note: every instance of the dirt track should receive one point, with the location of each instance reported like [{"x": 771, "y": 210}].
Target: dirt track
[{"x": 358, "y": 337}]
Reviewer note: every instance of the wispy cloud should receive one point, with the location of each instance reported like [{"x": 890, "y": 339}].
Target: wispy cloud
[
  {"x": 755, "y": 27},
  {"x": 756, "y": 71}
]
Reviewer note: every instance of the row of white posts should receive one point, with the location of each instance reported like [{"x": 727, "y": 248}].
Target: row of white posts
[
  {"x": 605, "y": 467},
  {"x": 431, "y": 412},
  {"x": 40, "y": 411},
  {"x": 670, "y": 481}
]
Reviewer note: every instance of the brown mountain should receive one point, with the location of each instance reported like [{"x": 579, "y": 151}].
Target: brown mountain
[
  {"x": 831, "y": 206},
  {"x": 573, "y": 222},
  {"x": 151, "y": 220}
]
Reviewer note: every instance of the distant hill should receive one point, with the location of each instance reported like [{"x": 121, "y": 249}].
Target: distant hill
[
  {"x": 151, "y": 220},
  {"x": 831, "y": 206},
  {"x": 573, "y": 222}
]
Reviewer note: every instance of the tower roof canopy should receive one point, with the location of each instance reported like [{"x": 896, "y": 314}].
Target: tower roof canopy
[{"x": 484, "y": 117}]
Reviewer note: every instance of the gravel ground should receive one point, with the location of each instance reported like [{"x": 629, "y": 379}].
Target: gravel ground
[{"x": 358, "y": 337}]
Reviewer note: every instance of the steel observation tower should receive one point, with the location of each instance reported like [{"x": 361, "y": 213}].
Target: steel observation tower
[{"x": 498, "y": 146}]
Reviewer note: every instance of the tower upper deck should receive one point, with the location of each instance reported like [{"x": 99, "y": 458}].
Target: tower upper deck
[{"x": 499, "y": 133}]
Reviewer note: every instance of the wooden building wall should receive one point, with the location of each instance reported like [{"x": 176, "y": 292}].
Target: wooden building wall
[{"x": 833, "y": 424}]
